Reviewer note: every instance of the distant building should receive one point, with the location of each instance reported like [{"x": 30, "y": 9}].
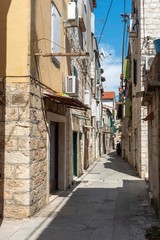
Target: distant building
[
  {"x": 140, "y": 109},
  {"x": 108, "y": 103},
  {"x": 108, "y": 100}
]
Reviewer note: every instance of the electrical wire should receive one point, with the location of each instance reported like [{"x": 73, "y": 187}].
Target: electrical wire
[
  {"x": 111, "y": 62},
  {"x": 45, "y": 39},
  {"x": 105, "y": 21}
]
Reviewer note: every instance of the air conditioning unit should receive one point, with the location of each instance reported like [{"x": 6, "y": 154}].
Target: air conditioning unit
[
  {"x": 72, "y": 85},
  {"x": 148, "y": 62},
  {"x": 72, "y": 14}
]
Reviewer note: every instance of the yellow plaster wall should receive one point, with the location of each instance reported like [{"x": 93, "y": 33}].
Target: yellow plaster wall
[
  {"x": 48, "y": 73},
  {"x": 15, "y": 37},
  {"x": 22, "y": 24}
]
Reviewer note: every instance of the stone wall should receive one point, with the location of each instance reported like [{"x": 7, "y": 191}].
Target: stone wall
[
  {"x": 15, "y": 131},
  {"x": 23, "y": 150},
  {"x": 148, "y": 30},
  {"x": 149, "y": 27},
  {"x": 38, "y": 149},
  {"x": 154, "y": 136},
  {"x": 154, "y": 151}
]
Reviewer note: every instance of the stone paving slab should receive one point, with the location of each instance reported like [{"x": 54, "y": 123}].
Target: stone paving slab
[{"x": 109, "y": 202}]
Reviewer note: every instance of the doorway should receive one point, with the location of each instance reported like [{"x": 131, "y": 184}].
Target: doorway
[
  {"x": 135, "y": 148},
  {"x": 53, "y": 157},
  {"x": 86, "y": 151},
  {"x": 104, "y": 143},
  {"x": 75, "y": 153}
]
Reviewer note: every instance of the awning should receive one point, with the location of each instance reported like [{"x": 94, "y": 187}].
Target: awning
[
  {"x": 64, "y": 99},
  {"x": 80, "y": 116},
  {"x": 149, "y": 117}
]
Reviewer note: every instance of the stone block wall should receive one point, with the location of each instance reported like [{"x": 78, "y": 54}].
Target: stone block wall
[
  {"x": 38, "y": 149},
  {"x": 23, "y": 150},
  {"x": 15, "y": 129},
  {"x": 148, "y": 29},
  {"x": 154, "y": 138},
  {"x": 154, "y": 151}
]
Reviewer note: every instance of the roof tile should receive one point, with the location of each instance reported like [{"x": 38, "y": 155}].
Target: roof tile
[{"x": 108, "y": 95}]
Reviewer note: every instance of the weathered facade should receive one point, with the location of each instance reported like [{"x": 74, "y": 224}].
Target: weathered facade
[
  {"x": 27, "y": 118},
  {"x": 151, "y": 99},
  {"x": 40, "y": 131},
  {"x": 142, "y": 33},
  {"x": 142, "y": 134},
  {"x": 108, "y": 103}
]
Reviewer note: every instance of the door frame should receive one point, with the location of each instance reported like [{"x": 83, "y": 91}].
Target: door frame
[
  {"x": 61, "y": 120},
  {"x": 75, "y": 147},
  {"x": 54, "y": 138}
]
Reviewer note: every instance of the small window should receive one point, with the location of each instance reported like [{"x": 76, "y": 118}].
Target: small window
[{"x": 55, "y": 32}]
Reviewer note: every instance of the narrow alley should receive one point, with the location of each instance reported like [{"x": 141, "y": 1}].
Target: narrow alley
[{"x": 108, "y": 202}]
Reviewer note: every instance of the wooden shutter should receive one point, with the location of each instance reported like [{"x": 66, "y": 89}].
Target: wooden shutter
[{"x": 55, "y": 31}]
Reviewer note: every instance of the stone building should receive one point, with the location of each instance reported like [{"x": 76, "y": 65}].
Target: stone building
[
  {"x": 143, "y": 29},
  {"x": 151, "y": 99},
  {"x": 37, "y": 146},
  {"x": 108, "y": 103},
  {"x": 142, "y": 133},
  {"x": 83, "y": 124}
]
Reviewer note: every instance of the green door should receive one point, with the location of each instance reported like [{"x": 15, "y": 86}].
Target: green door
[{"x": 75, "y": 153}]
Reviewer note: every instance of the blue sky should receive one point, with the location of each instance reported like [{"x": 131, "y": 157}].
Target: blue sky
[{"x": 111, "y": 40}]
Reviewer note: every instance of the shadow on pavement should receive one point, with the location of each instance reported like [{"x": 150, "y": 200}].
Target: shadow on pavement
[
  {"x": 118, "y": 164},
  {"x": 101, "y": 213},
  {"x": 100, "y": 209}
]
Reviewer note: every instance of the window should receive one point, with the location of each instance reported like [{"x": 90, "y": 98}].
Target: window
[{"x": 55, "y": 32}]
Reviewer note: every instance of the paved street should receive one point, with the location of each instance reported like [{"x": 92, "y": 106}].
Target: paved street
[{"x": 109, "y": 202}]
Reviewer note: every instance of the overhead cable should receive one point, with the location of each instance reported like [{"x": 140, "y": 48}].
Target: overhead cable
[{"x": 105, "y": 21}]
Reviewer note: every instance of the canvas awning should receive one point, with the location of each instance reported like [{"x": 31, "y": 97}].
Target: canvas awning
[
  {"x": 64, "y": 99},
  {"x": 149, "y": 117}
]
